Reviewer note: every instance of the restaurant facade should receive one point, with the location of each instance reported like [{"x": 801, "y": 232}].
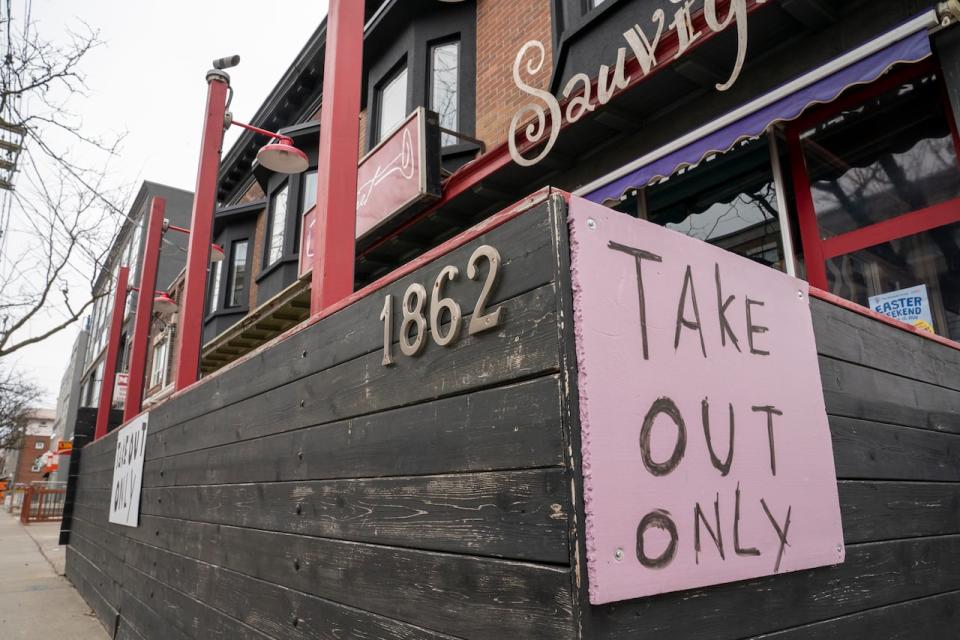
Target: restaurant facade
[{"x": 437, "y": 456}]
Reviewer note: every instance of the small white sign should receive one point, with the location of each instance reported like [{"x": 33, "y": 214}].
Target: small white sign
[
  {"x": 907, "y": 305},
  {"x": 128, "y": 472}
]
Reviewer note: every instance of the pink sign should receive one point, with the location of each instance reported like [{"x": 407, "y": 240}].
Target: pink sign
[
  {"x": 399, "y": 173},
  {"x": 706, "y": 450}
]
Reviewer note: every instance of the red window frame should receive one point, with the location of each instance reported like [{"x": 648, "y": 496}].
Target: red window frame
[{"x": 816, "y": 250}]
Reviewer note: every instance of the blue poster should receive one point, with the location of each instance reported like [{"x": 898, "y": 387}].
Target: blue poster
[{"x": 907, "y": 305}]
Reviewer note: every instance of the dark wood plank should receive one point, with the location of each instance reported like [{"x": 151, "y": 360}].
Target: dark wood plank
[
  {"x": 854, "y": 391},
  {"x": 877, "y": 451},
  {"x": 182, "y": 615},
  {"x": 874, "y": 511},
  {"x": 125, "y": 631},
  {"x": 503, "y": 428},
  {"x": 845, "y": 335},
  {"x": 273, "y": 610},
  {"x": 525, "y": 345},
  {"x": 933, "y": 618},
  {"x": 146, "y": 623},
  {"x": 452, "y": 593},
  {"x": 110, "y": 568},
  {"x": 510, "y": 514},
  {"x": 85, "y": 576},
  {"x": 874, "y": 575},
  {"x": 526, "y": 248}
]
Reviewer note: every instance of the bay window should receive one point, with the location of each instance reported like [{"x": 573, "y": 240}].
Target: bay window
[
  {"x": 278, "y": 224},
  {"x": 391, "y": 102},
  {"x": 237, "y": 285},
  {"x": 445, "y": 87}
]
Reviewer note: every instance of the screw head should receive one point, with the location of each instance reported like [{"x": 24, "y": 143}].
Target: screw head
[
  {"x": 618, "y": 554},
  {"x": 591, "y": 224}
]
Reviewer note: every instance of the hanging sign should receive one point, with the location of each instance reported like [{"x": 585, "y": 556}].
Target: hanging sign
[
  {"x": 907, "y": 305},
  {"x": 64, "y": 447},
  {"x": 706, "y": 450},
  {"x": 120, "y": 389},
  {"x": 128, "y": 472},
  {"x": 541, "y": 122},
  {"x": 400, "y": 177}
]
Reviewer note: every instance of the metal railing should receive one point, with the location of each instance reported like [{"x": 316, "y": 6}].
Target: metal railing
[{"x": 43, "y": 502}]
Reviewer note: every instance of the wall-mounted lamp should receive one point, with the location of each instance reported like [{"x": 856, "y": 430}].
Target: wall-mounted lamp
[
  {"x": 216, "y": 251},
  {"x": 281, "y": 156},
  {"x": 164, "y": 304}
]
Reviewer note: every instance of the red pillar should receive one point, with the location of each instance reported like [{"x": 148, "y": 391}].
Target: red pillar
[
  {"x": 334, "y": 236},
  {"x": 144, "y": 313},
  {"x": 113, "y": 349},
  {"x": 201, "y": 229}
]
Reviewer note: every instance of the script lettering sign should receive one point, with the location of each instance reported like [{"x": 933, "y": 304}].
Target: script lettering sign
[
  {"x": 541, "y": 120},
  {"x": 706, "y": 450}
]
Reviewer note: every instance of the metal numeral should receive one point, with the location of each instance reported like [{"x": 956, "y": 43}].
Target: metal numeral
[
  {"x": 438, "y": 304},
  {"x": 481, "y": 321},
  {"x": 386, "y": 316},
  {"x": 413, "y": 315}
]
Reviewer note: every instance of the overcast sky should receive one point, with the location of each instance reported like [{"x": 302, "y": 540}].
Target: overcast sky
[{"x": 148, "y": 80}]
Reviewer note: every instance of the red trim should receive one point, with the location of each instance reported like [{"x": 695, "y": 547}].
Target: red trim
[
  {"x": 190, "y": 326},
  {"x": 113, "y": 351},
  {"x": 806, "y": 213},
  {"x": 141, "y": 324},
  {"x": 826, "y": 296},
  {"x": 335, "y": 217},
  {"x": 904, "y": 225}
]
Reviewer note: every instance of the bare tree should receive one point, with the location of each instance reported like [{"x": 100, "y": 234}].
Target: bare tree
[
  {"x": 17, "y": 397},
  {"x": 58, "y": 220}
]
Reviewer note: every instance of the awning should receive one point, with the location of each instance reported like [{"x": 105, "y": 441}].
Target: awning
[{"x": 907, "y": 44}]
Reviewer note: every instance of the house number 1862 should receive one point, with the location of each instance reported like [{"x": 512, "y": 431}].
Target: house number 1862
[{"x": 417, "y": 314}]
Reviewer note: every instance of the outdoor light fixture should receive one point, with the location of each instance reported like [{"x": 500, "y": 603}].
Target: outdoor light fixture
[
  {"x": 164, "y": 304},
  {"x": 281, "y": 156},
  {"x": 216, "y": 251}
]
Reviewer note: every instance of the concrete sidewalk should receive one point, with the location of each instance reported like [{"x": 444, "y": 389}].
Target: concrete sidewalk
[{"x": 35, "y": 599}]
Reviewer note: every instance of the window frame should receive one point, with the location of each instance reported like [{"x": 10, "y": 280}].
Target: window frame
[
  {"x": 230, "y": 288},
  {"x": 162, "y": 340},
  {"x": 269, "y": 264},
  {"x": 818, "y": 251},
  {"x": 401, "y": 67},
  {"x": 432, "y": 46}
]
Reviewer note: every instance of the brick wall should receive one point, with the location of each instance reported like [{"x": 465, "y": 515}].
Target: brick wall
[
  {"x": 28, "y": 455},
  {"x": 502, "y": 28}
]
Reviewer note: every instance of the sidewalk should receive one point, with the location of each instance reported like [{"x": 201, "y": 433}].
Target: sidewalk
[{"x": 35, "y": 600}]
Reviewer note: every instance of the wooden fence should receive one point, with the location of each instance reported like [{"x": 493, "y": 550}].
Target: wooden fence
[{"x": 312, "y": 492}]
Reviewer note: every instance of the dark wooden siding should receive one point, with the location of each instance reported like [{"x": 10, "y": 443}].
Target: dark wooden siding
[
  {"x": 893, "y": 401},
  {"x": 311, "y": 492}
]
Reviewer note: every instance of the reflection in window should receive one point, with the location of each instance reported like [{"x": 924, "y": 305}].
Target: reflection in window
[
  {"x": 158, "y": 368},
  {"x": 238, "y": 273},
  {"x": 930, "y": 258},
  {"x": 891, "y": 155},
  {"x": 278, "y": 224},
  {"x": 444, "y": 87},
  {"x": 593, "y": 4},
  {"x": 391, "y": 103},
  {"x": 215, "y": 272},
  {"x": 309, "y": 191},
  {"x": 728, "y": 200}
]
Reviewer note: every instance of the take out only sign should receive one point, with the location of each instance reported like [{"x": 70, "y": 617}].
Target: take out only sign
[
  {"x": 128, "y": 472},
  {"x": 706, "y": 450}
]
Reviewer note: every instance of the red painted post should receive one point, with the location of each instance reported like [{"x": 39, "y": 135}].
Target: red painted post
[
  {"x": 334, "y": 233},
  {"x": 201, "y": 229},
  {"x": 113, "y": 350},
  {"x": 141, "y": 327}
]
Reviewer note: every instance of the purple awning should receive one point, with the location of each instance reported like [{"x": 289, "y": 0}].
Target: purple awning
[{"x": 912, "y": 48}]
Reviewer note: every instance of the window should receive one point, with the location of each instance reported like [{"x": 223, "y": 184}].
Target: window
[
  {"x": 445, "y": 87},
  {"x": 309, "y": 191},
  {"x": 728, "y": 199},
  {"x": 391, "y": 103},
  {"x": 877, "y": 179},
  {"x": 278, "y": 224},
  {"x": 215, "y": 273},
  {"x": 38, "y": 445},
  {"x": 37, "y": 465},
  {"x": 238, "y": 274},
  {"x": 158, "y": 368}
]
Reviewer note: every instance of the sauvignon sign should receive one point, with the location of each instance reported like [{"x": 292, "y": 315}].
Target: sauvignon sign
[
  {"x": 128, "y": 472},
  {"x": 706, "y": 450},
  {"x": 541, "y": 121}
]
